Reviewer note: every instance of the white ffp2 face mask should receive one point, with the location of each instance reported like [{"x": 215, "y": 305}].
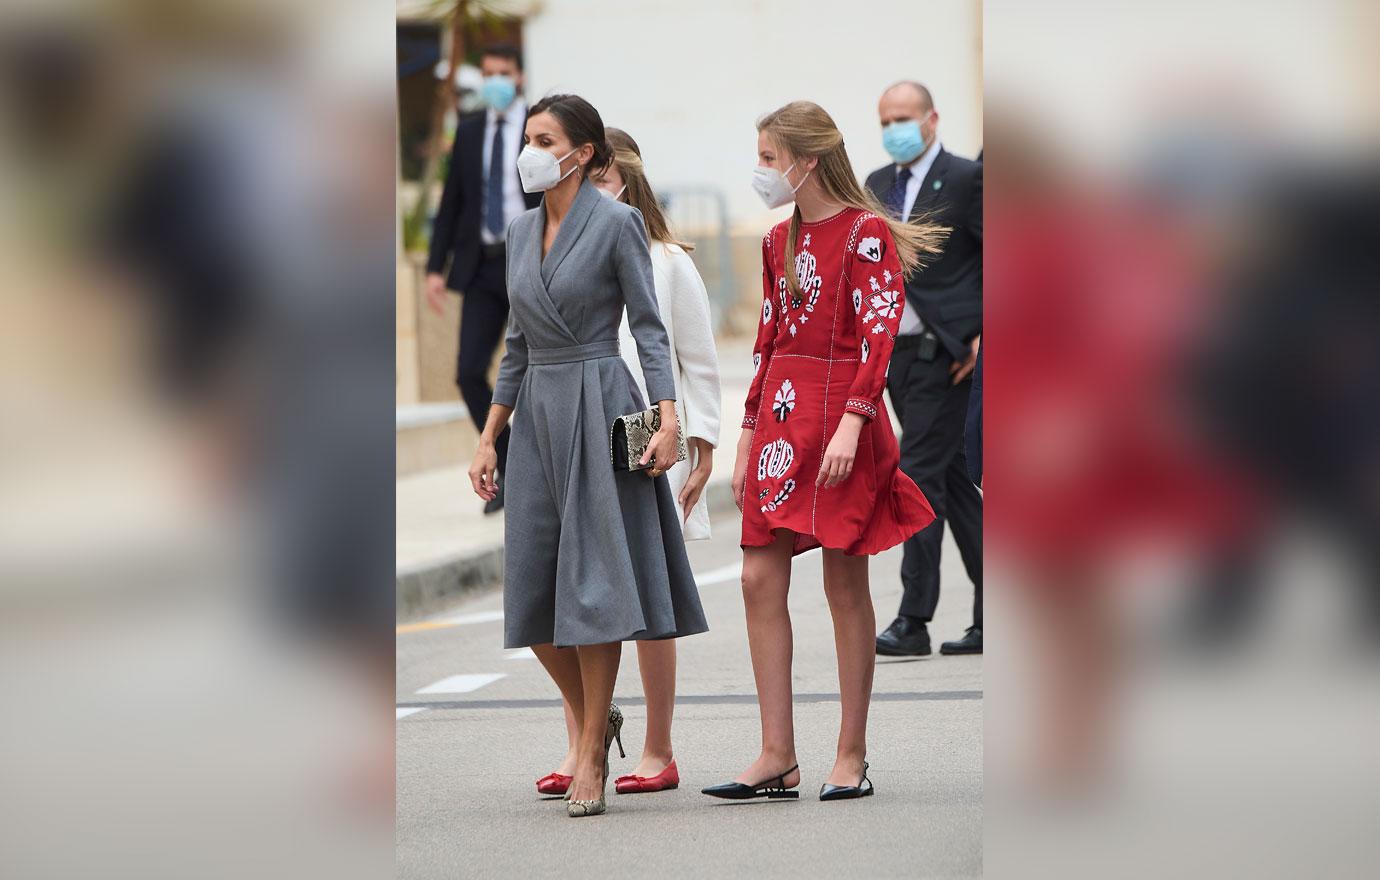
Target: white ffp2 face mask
[
  {"x": 773, "y": 186},
  {"x": 541, "y": 170}
]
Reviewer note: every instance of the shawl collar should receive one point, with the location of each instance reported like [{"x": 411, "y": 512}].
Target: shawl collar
[{"x": 586, "y": 197}]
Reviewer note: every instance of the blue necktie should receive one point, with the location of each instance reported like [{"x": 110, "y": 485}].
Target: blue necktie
[
  {"x": 493, "y": 193},
  {"x": 896, "y": 199}
]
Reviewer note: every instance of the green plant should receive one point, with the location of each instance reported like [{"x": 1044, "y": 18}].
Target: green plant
[{"x": 468, "y": 20}]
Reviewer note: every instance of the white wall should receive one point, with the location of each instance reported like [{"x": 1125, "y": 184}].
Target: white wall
[{"x": 689, "y": 79}]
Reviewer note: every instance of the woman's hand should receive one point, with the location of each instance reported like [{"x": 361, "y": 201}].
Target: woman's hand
[
  {"x": 484, "y": 471},
  {"x": 740, "y": 466},
  {"x": 694, "y": 486},
  {"x": 661, "y": 449},
  {"x": 843, "y": 446}
]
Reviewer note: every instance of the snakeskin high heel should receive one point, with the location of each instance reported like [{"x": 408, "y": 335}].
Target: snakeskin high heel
[{"x": 614, "y": 732}]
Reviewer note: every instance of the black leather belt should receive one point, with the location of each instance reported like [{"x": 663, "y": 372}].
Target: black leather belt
[{"x": 925, "y": 343}]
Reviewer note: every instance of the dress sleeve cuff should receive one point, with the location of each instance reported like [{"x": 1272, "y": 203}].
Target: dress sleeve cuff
[
  {"x": 749, "y": 421},
  {"x": 865, "y": 408}
]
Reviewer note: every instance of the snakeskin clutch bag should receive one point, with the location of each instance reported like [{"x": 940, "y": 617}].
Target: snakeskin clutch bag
[{"x": 630, "y": 435}]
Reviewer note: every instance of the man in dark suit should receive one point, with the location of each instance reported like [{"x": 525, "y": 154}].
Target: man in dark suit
[
  {"x": 482, "y": 195},
  {"x": 929, "y": 377}
]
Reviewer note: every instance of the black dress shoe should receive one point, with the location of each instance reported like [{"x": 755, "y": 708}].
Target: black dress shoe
[
  {"x": 494, "y": 506},
  {"x": 971, "y": 643},
  {"x": 906, "y": 637},
  {"x": 738, "y": 791},
  {"x": 829, "y": 792}
]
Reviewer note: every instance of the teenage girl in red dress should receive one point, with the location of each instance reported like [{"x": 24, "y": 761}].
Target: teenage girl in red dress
[{"x": 817, "y": 460}]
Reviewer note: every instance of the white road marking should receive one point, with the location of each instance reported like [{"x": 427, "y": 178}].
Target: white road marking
[
  {"x": 473, "y": 617},
  {"x": 519, "y": 654},
  {"x": 403, "y": 713},
  {"x": 719, "y": 575},
  {"x": 462, "y": 684}
]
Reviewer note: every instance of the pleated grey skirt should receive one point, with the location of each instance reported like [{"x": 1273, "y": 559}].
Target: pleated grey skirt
[{"x": 591, "y": 555}]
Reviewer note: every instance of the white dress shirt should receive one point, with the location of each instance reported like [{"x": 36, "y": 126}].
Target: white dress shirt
[
  {"x": 513, "y": 119},
  {"x": 910, "y": 320}
]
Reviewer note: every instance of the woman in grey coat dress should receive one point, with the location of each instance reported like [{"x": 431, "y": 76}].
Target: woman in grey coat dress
[{"x": 592, "y": 557}]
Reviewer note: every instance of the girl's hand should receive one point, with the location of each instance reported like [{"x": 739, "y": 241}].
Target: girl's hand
[
  {"x": 740, "y": 466},
  {"x": 484, "y": 471},
  {"x": 694, "y": 486},
  {"x": 661, "y": 449},
  {"x": 838, "y": 457}
]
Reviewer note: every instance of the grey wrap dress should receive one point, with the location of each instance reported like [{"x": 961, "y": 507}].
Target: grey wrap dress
[{"x": 591, "y": 555}]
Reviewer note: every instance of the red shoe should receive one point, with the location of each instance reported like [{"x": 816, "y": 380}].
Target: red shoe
[
  {"x": 554, "y": 783},
  {"x": 666, "y": 779}
]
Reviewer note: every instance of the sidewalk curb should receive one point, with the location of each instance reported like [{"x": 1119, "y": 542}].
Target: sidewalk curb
[{"x": 431, "y": 586}]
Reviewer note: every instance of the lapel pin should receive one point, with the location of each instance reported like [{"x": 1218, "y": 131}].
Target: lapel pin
[{"x": 938, "y": 184}]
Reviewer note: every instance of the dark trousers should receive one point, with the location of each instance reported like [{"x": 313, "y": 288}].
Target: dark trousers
[
  {"x": 483, "y": 315},
  {"x": 932, "y": 412}
]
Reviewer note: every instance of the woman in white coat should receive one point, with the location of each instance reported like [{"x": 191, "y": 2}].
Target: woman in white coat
[{"x": 684, "y": 307}]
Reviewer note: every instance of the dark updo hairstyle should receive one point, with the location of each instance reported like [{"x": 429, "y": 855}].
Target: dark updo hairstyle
[{"x": 582, "y": 124}]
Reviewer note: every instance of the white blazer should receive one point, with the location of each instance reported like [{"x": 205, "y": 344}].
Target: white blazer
[{"x": 684, "y": 308}]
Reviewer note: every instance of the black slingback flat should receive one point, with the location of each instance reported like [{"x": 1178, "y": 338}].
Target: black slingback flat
[
  {"x": 829, "y": 792},
  {"x": 739, "y": 791}
]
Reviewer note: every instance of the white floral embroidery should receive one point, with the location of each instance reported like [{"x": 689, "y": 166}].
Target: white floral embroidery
[
  {"x": 786, "y": 489},
  {"x": 886, "y": 276},
  {"x": 756, "y": 363},
  {"x": 776, "y": 458},
  {"x": 878, "y": 327},
  {"x": 810, "y": 282},
  {"x": 857, "y": 300},
  {"x": 870, "y": 249},
  {"x": 792, "y": 329},
  {"x": 784, "y": 401},
  {"x": 875, "y": 286},
  {"x": 766, "y": 311},
  {"x": 869, "y": 316},
  {"x": 887, "y": 303},
  {"x": 807, "y": 239},
  {"x": 865, "y": 349}
]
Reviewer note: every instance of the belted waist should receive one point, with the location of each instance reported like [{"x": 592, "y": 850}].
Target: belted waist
[{"x": 572, "y": 353}]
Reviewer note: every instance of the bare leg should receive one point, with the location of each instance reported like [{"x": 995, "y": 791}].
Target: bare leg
[
  {"x": 598, "y": 670},
  {"x": 766, "y": 581},
  {"x": 563, "y": 665},
  {"x": 657, "y": 662},
  {"x": 1079, "y": 671},
  {"x": 572, "y": 737},
  {"x": 850, "y": 604}
]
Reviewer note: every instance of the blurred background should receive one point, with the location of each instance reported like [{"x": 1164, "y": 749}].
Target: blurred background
[
  {"x": 196, "y": 487},
  {"x": 1183, "y": 216}
]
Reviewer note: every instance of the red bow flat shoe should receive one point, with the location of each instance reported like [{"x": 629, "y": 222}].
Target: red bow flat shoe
[
  {"x": 666, "y": 779},
  {"x": 554, "y": 783}
]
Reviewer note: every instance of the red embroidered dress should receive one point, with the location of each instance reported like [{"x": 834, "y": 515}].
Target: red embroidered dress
[{"x": 818, "y": 356}]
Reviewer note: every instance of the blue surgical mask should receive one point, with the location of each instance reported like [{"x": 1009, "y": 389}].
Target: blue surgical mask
[
  {"x": 903, "y": 141},
  {"x": 498, "y": 92}
]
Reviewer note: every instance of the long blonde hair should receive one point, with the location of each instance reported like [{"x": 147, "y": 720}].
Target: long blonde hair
[
  {"x": 805, "y": 130},
  {"x": 627, "y": 157}
]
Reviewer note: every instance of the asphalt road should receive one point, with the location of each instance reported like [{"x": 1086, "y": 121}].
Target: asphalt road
[{"x": 478, "y": 725}]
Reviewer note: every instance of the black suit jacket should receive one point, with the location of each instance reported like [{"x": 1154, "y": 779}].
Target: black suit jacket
[
  {"x": 455, "y": 235},
  {"x": 947, "y": 293}
]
